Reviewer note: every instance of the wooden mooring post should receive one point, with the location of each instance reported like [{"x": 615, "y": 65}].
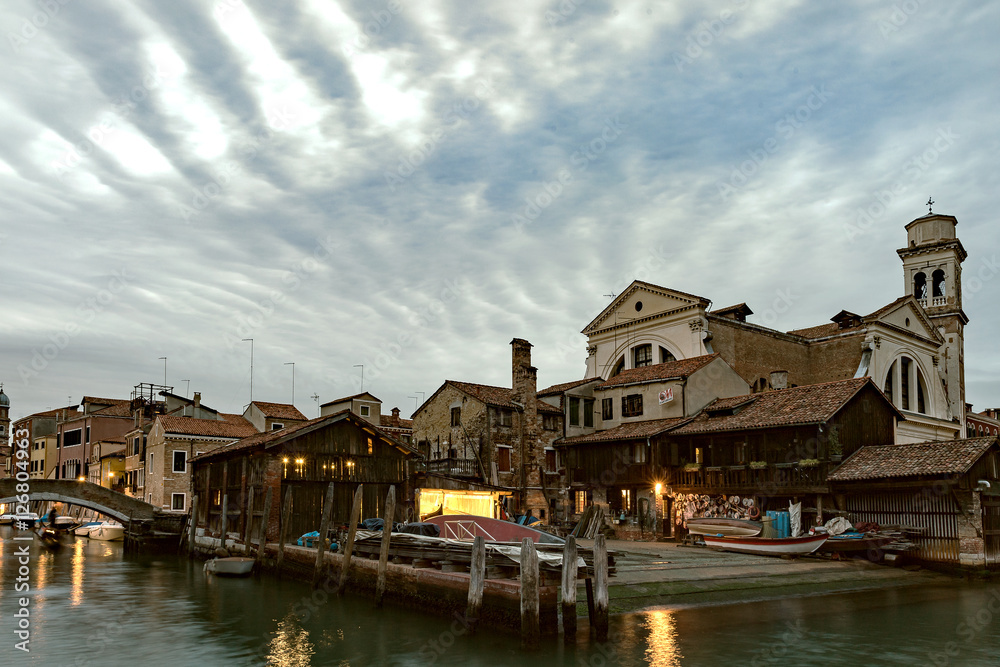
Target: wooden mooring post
[
  {"x": 599, "y": 616},
  {"x": 286, "y": 519},
  {"x": 225, "y": 517},
  {"x": 530, "y": 628},
  {"x": 383, "y": 556},
  {"x": 349, "y": 547},
  {"x": 569, "y": 571},
  {"x": 324, "y": 527},
  {"x": 477, "y": 579},
  {"x": 248, "y": 523},
  {"x": 193, "y": 526},
  {"x": 262, "y": 534}
]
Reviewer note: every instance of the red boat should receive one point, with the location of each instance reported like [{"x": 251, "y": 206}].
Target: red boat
[{"x": 468, "y": 527}]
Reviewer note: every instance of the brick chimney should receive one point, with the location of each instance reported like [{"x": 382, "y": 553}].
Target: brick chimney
[
  {"x": 196, "y": 409},
  {"x": 395, "y": 417},
  {"x": 530, "y": 456}
]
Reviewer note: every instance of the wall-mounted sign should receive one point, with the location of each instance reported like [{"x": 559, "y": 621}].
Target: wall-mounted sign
[{"x": 666, "y": 396}]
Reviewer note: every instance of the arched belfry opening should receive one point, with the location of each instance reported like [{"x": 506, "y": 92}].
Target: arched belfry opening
[
  {"x": 939, "y": 283},
  {"x": 920, "y": 286}
]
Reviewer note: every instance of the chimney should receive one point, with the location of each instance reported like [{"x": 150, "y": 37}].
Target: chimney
[
  {"x": 196, "y": 410},
  {"x": 779, "y": 379},
  {"x": 523, "y": 374},
  {"x": 395, "y": 417}
]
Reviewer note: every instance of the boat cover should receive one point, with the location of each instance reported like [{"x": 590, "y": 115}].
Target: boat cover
[{"x": 427, "y": 529}]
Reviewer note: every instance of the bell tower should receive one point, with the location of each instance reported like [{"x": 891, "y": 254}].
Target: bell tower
[
  {"x": 932, "y": 274},
  {"x": 4, "y": 417}
]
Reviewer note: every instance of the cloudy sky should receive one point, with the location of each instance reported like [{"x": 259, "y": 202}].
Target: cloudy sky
[{"x": 408, "y": 186}]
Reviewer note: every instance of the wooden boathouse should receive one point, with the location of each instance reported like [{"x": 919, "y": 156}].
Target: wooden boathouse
[{"x": 302, "y": 460}]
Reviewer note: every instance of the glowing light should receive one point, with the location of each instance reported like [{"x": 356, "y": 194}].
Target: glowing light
[
  {"x": 300, "y": 461},
  {"x": 81, "y": 478},
  {"x": 659, "y": 487},
  {"x": 284, "y": 460}
]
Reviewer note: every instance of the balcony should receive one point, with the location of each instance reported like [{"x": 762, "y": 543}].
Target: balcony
[
  {"x": 454, "y": 467},
  {"x": 745, "y": 480}
]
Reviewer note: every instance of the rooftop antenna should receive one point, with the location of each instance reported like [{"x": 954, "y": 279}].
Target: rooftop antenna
[
  {"x": 187, "y": 387},
  {"x": 315, "y": 397},
  {"x": 930, "y": 203},
  {"x": 251, "y": 367},
  {"x": 415, "y": 404}
]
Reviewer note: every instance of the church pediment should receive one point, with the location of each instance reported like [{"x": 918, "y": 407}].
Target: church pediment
[
  {"x": 643, "y": 301},
  {"x": 906, "y": 315}
]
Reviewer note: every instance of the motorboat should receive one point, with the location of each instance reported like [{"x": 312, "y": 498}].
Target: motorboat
[
  {"x": 232, "y": 566},
  {"x": 767, "y": 546},
  {"x": 852, "y": 542},
  {"x": 30, "y": 519},
  {"x": 83, "y": 530},
  {"x": 108, "y": 532},
  {"x": 724, "y": 526}
]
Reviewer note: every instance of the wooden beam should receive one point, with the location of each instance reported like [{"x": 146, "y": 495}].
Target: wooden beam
[
  {"x": 286, "y": 519},
  {"x": 262, "y": 535},
  {"x": 530, "y": 629},
  {"x": 248, "y": 522},
  {"x": 569, "y": 572},
  {"x": 477, "y": 579},
  {"x": 349, "y": 547},
  {"x": 383, "y": 558},
  {"x": 324, "y": 527},
  {"x": 193, "y": 527}
]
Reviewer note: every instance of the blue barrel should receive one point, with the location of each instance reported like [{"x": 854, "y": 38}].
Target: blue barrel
[{"x": 785, "y": 520}]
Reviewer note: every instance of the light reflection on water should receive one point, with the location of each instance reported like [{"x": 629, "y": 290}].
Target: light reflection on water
[{"x": 93, "y": 608}]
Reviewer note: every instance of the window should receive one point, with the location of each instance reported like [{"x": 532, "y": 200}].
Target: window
[
  {"x": 506, "y": 417},
  {"x": 456, "y": 416},
  {"x": 619, "y": 367},
  {"x": 699, "y": 455},
  {"x": 608, "y": 409},
  {"x": 550, "y": 460},
  {"x": 632, "y": 405},
  {"x": 642, "y": 355},
  {"x": 88, "y": 435},
  {"x": 666, "y": 356},
  {"x": 149, "y": 466},
  {"x": 275, "y": 426},
  {"x": 180, "y": 460},
  {"x": 574, "y": 411},
  {"x": 72, "y": 438},
  {"x": 887, "y": 388},
  {"x": 588, "y": 412},
  {"x": 177, "y": 502},
  {"x": 639, "y": 453},
  {"x": 581, "y": 500},
  {"x": 366, "y": 411},
  {"x": 371, "y": 447},
  {"x": 550, "y": 422},
  {"x": 503, "y": 459}
]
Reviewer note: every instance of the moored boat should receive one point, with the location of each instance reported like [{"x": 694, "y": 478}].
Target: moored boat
[
  {"x": 468, "y": 527},
  {"x": 83, "y": 530},
  {"x": 855, "y": 543},
  {"x": 233, "y": 566},
  {"x": 108, "y": 532},
  {"x": 767, "y": 546},
  {"x": 724, "y": 526}
]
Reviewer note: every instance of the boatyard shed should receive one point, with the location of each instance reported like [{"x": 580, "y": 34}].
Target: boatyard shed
[
  {"x": 341, "y": 448},
  {"x": 946, "y": 495}
]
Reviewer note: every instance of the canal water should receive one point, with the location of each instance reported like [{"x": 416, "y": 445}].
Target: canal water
[{"x": 90, "y": 606}]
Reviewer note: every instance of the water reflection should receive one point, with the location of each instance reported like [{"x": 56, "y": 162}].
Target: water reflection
[
  {"x": 291, "y": 646},
  {"x": 661, "y": 645},
  {"x": 76, "y": 575}
]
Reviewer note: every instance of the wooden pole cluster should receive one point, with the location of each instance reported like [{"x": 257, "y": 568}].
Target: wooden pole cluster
[
  {"x": 530, "y": 620},
  {"x": 569, "y": 572},
  {"x": 383, "y": 557},
  {"x": 477, "y": 579},
  {"x": 286, "y": 519},
  {"x": 324, "y": 527},
  {"x": 349, "y": 547}
]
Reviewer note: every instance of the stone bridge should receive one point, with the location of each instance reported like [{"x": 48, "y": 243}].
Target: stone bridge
[{"x": 85, "y": 494}]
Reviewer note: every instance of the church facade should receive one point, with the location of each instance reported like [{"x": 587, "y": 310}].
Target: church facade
[{"x": 912, "y": 348}]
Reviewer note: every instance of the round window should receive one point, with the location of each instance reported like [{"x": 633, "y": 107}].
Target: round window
[{"x": 638, "y": 306}]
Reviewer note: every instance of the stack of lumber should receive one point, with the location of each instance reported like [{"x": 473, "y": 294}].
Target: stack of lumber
[{"x": 591, "y": 523}]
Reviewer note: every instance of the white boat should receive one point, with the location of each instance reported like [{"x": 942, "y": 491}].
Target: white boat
[
  {"x": 84, "y": 530},
  {"x": 724, "y": 526},
  {"x": 767, "y": 546},
  {"x": 6, "y": 519},
  {"x": 108, "y": 532},
  {"x": 234, "y": 566}
]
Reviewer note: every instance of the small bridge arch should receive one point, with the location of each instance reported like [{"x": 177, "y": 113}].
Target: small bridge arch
[{"x": 85, "y": 494}]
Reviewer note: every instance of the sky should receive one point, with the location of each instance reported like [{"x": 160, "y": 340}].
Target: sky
[{"x": 400, "y": 189}]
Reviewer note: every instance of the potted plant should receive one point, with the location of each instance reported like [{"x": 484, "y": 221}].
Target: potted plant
[
  {"x": 809, "y": 463},
  {"x": 692, "y": 467},
  {"x": 758, "y": 465}
]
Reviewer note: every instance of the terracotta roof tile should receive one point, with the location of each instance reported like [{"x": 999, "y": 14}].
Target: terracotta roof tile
[
  {"x": 557, "y": 389},
  {"x": 824, "y": 330},
  {"x": 279, "y": 410},
  {"x": 809, "y": 404},
  {"x": 118, "y": 410},
  {"x": 212, "y": 428},
  {"x": 924, "y": 458},
  {"x": 628, "y": 431},
  {"x": 385, "y": 421},
  {"x": 501, "y": 397},
  {"x": 681, "y": 368}
]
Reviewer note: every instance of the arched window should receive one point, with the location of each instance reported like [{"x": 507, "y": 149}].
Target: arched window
[
  {"x": 920, "y": 286},
  {"x": 911, "y": 392},
  {"x": 665, "y": 355},
  {"x": 904, "y": 383},
  {"x": 887, "y": 389},
  {"x": 939, "y": 282},
  {"x": 619, "y": 367}
]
